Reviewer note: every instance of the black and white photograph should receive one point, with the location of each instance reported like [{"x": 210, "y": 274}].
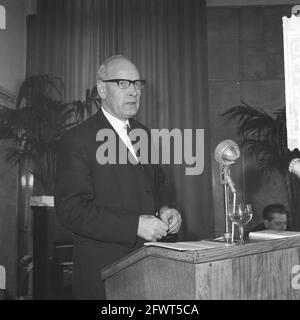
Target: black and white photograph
[{"x": 149, "y": 153}]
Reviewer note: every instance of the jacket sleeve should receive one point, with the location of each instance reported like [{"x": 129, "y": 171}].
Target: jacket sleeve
[{"x": 75, "y": 204}]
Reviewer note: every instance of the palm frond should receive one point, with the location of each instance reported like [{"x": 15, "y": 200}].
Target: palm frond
[
  {"x": 38, "y": 123},
  {"x": 36, "y": 88},
  {"x": 264, "y": 137}
]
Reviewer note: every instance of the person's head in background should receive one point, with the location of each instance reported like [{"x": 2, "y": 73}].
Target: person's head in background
[{"x": 275, "y": 217}]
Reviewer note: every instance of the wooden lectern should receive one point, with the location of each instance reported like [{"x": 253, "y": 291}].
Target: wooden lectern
[{"x": 259, "y": 270}]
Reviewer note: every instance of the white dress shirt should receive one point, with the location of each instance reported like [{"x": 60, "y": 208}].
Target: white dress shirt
[{"x": 121, "y": 128}]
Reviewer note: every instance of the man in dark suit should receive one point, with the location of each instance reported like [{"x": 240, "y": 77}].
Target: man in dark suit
[{"x": 111, "y": 208}]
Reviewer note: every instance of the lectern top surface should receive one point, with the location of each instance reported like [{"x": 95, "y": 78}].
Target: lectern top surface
[{"x": 218, "y": 251}]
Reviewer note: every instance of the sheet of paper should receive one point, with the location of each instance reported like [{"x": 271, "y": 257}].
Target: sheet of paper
[
  {"x": 187, "y": 245},
  {"x": 273, "y": 234}
]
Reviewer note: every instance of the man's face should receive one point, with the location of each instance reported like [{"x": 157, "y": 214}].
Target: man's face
[
  {"x": 122, "y": 103},
  {"x": 278, "y": 222}
]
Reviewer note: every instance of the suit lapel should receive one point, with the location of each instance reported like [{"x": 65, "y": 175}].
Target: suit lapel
[{"x": 147, "y": 170}]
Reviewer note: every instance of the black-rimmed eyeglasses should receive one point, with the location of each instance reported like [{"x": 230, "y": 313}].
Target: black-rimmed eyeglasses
[{"x": 125, "y": 83}]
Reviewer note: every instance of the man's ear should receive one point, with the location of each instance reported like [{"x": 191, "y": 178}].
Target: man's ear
[{"x": 101, "y": 89}]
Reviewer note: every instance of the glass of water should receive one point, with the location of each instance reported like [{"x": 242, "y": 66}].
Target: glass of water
[{"x": 240, "y": 215}]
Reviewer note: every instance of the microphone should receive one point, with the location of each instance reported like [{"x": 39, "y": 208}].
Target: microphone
[
  {"x": 226, "y": 154},
  {"x": 294, "y": 167}
]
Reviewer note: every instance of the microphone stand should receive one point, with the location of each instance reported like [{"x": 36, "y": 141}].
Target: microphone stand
[{"x": 224, "y": 178}]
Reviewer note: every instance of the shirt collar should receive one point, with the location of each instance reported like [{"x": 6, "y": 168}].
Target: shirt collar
[{"x": 116, "y": 123}]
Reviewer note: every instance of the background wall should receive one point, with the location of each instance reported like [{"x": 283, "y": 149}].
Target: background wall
[
  {"x": 8, "y": 220},
  {"x": 13, "y": 45},
  {"x": 12, "y": 73},
  {"x": 245, "y": 50}
]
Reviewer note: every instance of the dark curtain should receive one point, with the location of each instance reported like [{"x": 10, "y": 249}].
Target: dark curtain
[{"x": 166, "y": 39}]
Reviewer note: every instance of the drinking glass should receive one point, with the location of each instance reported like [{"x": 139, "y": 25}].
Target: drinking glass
[{"x": 240, "y": 215}]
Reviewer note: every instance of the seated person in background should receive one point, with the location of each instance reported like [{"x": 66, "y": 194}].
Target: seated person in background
[{"x": 275, "y": 218}]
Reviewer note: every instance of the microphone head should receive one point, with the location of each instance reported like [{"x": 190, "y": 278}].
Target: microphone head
[
  {"x": 294, "y": 167},
  {"x": 227, "y": 152}
]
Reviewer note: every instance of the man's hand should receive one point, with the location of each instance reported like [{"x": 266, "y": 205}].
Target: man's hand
[
  {"x": 172, "y": 218},
  {"x": 151, "y": 228}
]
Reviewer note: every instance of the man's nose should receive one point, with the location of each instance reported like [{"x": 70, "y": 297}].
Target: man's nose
[{"x": 132, "y": 90}]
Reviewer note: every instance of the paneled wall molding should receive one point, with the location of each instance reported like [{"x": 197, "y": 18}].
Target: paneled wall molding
[{"x": 244, "y": 3}]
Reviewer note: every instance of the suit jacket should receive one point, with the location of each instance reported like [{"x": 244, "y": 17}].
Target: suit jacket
[
  {"x": 101, "y": 204},
  {"x": 258, "y": 227}
]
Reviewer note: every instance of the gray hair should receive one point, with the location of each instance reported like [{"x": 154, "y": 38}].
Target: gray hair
[{"x": 102, "y": 71}]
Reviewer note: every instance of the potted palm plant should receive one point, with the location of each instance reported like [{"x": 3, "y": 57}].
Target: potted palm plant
[
  {"x": 264, "y": 137},
  {"x": 35, "y": 127},
  {"x": 37, "y": 124}
]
